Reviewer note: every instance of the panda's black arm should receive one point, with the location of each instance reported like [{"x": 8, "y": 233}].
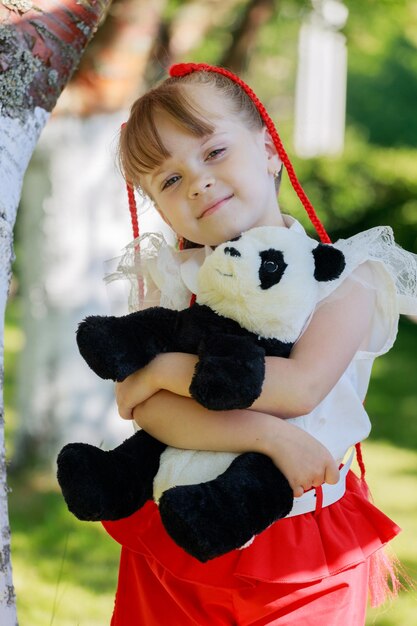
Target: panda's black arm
[
  {"x": 115, "y": 347},
  {"x": 230, "y": 372}
]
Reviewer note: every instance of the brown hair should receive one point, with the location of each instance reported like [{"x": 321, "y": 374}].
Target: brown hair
[{"x": 141, "y": 148}]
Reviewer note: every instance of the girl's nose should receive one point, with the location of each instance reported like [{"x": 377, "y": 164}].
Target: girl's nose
[{"x": 200, "y": 185}]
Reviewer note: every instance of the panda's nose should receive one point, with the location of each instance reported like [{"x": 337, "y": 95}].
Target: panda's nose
[{"x": 231, "y": 251}]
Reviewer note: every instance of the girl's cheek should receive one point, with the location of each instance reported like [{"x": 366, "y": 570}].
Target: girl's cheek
[{"x": 164, "y": 217}]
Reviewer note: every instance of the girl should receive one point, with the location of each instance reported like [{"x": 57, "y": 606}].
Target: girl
[{"x": 204, "y": 150}]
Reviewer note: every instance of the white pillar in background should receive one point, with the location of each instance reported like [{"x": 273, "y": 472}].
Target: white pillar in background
[{"x": 320, "y": 103}]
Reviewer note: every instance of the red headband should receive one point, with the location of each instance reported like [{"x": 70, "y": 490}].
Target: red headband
[{"x": 182, "y": 69}]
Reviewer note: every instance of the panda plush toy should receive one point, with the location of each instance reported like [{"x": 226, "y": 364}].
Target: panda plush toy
[{"x": 256, "y": 294}]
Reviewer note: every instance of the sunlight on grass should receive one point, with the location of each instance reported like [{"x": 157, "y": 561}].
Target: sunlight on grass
[
  {"x": 71, "y": 565},
  {"x": 392, "y": 478},
  {"x": 75, "y": 604},
  {"x": 14, "y": 338}
]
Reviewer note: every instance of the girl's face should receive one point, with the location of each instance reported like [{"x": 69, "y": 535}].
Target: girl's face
[{"x": 212, "y": 188}]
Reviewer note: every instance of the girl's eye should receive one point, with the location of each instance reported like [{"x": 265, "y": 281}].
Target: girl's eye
[
  {"x": 215, "y": 153},
  {"x": 169, "y": 182}
]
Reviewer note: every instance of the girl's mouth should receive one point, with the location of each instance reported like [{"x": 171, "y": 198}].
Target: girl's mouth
[{"x": 215, "y": 206}]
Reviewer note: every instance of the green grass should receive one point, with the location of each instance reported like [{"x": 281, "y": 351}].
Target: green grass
[
  {"x": 65, "y": 571},
  {"x": 71, "y": 565}
]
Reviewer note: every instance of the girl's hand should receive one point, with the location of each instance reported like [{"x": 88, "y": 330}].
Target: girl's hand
[
  {"x": 304, "y": 461},
  {"x": 137, "y": 388},
  {"x": 171, "y": 371}
]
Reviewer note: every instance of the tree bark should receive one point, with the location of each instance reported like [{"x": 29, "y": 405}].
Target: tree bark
[
  {"x": 255, "y": 15},
  {"x": 59, "y": 399},
  {"x": 110, "y": 75},
  {"x": 39, "y": 50}
]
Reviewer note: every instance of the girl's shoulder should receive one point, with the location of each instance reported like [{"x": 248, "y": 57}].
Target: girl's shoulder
[
  {"x": 386, "y": 266},
  {"x": 375, "y": 262}
]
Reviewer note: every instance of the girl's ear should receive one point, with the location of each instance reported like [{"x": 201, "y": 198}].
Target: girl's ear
[{"x": 274, "y": 162}]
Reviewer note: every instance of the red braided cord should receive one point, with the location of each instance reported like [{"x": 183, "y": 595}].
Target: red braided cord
[
  {"x": 133, "y": 210},
  {"x": 360, "y": 460},
  {"x": 181, "y": 69},
  {"x": 135, "y": 228}
]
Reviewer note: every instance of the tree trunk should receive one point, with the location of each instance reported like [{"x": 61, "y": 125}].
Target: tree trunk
[
  {"x": 110, "y": 75},
  {"x": 186, "y": 28},
  {"x": 244, "y": 36},
  {"x": 39, "y": 50},
  {"x": 66, "y": 237}
]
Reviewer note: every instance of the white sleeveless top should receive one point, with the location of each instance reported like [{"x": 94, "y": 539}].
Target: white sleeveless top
[{"x": 161, "y": 275}]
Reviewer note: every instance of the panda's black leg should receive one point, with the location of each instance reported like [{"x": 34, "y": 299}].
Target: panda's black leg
[
  {"x": 210, "y": 519},
  {"x": 108, "y": 485}
]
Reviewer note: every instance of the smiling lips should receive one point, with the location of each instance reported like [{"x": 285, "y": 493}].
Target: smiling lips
[{"x": 216, "y": 205}]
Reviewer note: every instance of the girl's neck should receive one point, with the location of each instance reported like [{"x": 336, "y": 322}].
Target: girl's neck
[{"x": 274, "y": 219}]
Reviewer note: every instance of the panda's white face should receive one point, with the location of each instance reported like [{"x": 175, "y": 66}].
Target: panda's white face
[{"x": 264, "y": 280}]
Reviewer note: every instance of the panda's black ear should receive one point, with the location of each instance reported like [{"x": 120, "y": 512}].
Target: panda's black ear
[{"x": 329, "y": 262}]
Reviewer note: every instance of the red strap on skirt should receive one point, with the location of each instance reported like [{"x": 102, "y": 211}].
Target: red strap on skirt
[{"x": 319, "y": 500}]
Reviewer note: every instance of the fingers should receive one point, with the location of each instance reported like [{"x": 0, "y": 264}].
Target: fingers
[
  {"x": 125, "y": 410},
  {"x": 332, "y": 473},
  {"x": 298, "y": 491},
  {"x": 125, "y": 413},
  {"x": 318, "y": 480}
]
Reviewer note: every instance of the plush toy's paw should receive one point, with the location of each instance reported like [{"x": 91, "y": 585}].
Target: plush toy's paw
[
  {"x": 115, "y": 347},
  {"x": 210, "y": 519},
  {"x": 101, "y": 343},
  {"x": 100, "y": 485},
  {"x": 229, "y": 374},
  {"x": 91, "y": 483}
]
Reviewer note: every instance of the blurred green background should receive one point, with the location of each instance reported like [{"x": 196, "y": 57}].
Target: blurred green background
[{"x": 65, "y": 571}]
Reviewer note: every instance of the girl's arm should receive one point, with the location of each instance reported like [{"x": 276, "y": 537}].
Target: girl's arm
[
  {"x": 293, "y": 386},
  {"x": 183, "y": 423}
]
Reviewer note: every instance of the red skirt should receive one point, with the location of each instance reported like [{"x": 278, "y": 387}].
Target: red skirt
[{"x": 299, "y": 550}]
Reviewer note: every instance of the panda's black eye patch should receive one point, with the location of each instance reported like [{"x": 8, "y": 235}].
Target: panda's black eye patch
[
  {"x": 232, "y": 251},
  {"x": 272, "y": 267}
]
